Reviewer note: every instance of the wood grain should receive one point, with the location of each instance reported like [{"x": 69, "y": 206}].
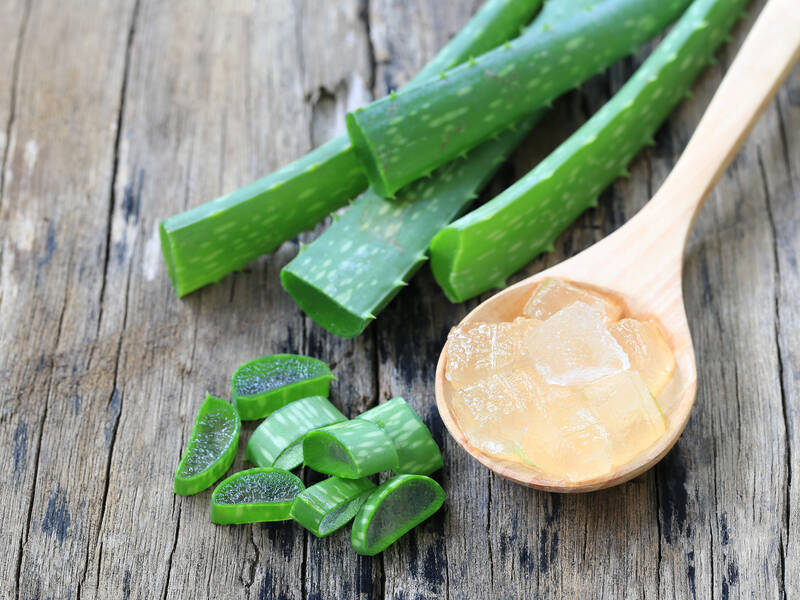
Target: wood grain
[{"x": 140, "y": 108}]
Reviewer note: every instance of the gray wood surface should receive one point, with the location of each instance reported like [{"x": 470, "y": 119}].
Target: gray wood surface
[{"x": 114, "y": 114}]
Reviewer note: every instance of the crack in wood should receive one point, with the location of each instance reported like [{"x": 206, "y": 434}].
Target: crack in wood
[
  {"x": 364, "y": 14},
  {"x": 779, "y": 355},
  {"x": 172, "y": 552}
]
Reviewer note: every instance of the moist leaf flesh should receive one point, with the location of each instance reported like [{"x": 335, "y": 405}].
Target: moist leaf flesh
[
  {"x": 214, "y": 433},
  {"x": 258, "y": 488}
]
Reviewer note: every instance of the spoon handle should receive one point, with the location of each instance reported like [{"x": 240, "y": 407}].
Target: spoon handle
[{"x": 762, "y": 64}]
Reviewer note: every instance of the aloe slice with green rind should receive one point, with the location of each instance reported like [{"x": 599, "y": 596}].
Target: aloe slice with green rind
[
  {"x": 330, "y": 504},
  {"x": 278, "y": 441},
  {"x": 261, "y": 386},
  {"x": 417, "y": 452},
  {"x": 394, "y": 509},
  {"x": 211, "y": 449},
  {"x": 350, "y": 450},
  {"x": 255, "y": 496}
]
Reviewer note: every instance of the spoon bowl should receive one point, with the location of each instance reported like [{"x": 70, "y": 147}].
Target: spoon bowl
[{"x": 641, "y": 263}]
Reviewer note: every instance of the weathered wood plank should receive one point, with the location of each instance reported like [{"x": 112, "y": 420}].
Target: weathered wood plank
[
  {"x": 195, "y": 90},
  {"x": 737, "y": 441},
  {"x": 779, "y": 154},
  {"x": 57, "y": 393}
]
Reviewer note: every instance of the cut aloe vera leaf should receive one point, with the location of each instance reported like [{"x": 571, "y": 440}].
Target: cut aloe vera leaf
[
  {"x": 394, "y": 509},
  {"x": 345, "y": 277},
  {"x": 330, "y": 504},
  {"x": 417, "y": 452},
  {"x": 207, "y": 242},
  {"x": 409, "y": 134},
  {"x": 481, "y": 249},
  {"x": 278, "y": 441},
  {"x": 211, "y": 448},
  {"x": 255, "y": 496},
  {"x": 350, "y": 450},
  {"x": 263, "y": 385}
]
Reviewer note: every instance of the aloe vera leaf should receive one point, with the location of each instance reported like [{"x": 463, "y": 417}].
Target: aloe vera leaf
[
  {"x": 394, "y": 509},
  {"x": 261, "y": 386},
  {"x": 330, "y": 504},
  {"x": 255, "y": 496},
  {"x": 478, "y": 251},
  {"x": 211, "y": 449},
  {"x": 405, "y": 136},
  {"x": 345, "y": 277},
  {"x": 351, "y": 450},
  {"x": 417, "y": 452},
  {"x": 278, "y": 441},
  {"x": 205, "y": 243}
]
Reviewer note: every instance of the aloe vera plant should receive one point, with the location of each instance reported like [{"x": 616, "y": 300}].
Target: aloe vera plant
[
  {"x": 478, "y": 251},
  {"x": 405, "y": 136},
  {"x": 205, "y": 243}
]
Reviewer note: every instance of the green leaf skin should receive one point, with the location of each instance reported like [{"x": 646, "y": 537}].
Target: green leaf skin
[
  {"x": 350, "y": 450},
  {"x": 329, "y": 505},
  {"x": 404, "y": 137},
  {"x": 207, "y": 242},
  {"x": 348, "y": 274},
  {"x": 211, "y": 449},
  {"x": 255, "y": 496},
  {"x": 261, "y": 386},
  {"x": 394, "y": 509},
  {"x": 417, "y": 452},
  {"x": 478, "y": 251},
  {"x": 278, "y": 441}
]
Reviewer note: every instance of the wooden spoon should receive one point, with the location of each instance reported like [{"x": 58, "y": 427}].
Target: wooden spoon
[{"x": 642, "y": 261}]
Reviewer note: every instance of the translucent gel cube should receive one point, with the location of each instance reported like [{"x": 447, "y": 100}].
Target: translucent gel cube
[
  {"x": 627, "y": 411},
  {"x": 553, "y": 295},
  {"x": 476, "y": 351},
  {"x": 573, "y": 347},
  {"x": 647, "y": 350},
  {"x": 495, "y": 412},
  {"x": 565, "y": 438}
]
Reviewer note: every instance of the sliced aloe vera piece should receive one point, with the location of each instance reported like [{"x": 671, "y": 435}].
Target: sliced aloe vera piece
[
  {"x": 394, "y": 509},
  {"x": 263, "y": 385},
  {"x": 255, "y": 496},
  {"x": 211, "y": 448},
  {"x": 278, "y": 441},
  {"x": 351, "y": 450},
  {"x": 416, "y": 450},
  {"x": 329, "y": 505}
]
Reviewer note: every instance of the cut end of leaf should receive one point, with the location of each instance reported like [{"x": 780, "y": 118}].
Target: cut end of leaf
[
  {"x": 169, "y": 258},
  {"x": 366, "y": 155},
  {"x": 322, "y": 308},
  {"x": 443, "y": 253}
]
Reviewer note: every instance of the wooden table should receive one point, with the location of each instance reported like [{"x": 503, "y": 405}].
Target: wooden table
[{"x": 114, "y": 115}]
